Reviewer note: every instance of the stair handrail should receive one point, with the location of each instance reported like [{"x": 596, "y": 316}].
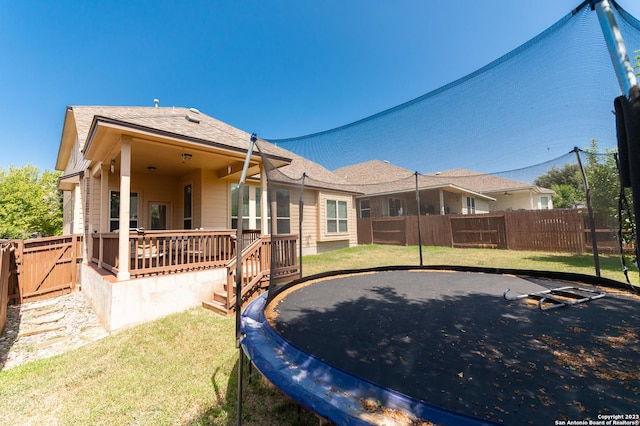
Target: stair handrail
[{"x": 247, "y": 282}]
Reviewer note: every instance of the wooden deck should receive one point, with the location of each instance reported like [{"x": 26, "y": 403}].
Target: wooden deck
[{"x": 46, "y": 267}]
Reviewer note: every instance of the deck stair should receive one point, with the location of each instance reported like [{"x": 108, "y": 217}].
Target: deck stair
[{"x": 255, "y": 272}]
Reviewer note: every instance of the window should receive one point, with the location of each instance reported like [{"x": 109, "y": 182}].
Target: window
[
  {"x": 114, "y": 210},
  {"x": 283, "y": 211},
  {"x": 544, "y": 203},
  {"x": 365, "y": 208},
  {"x": 395, "y": 207},
  {"x": 159, "y": 213},
  {"x": 471, "y": 205},
  {"x": 336, "y": 216},
  {"x": 283, "y": 206},
  {"x": 251, "y": 208},
  {"x": 187, "y": 207}
]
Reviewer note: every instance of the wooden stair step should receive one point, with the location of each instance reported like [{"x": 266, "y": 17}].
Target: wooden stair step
[
  {"x": 220, "y": 297},
  {"x": 216, "y": 307}
]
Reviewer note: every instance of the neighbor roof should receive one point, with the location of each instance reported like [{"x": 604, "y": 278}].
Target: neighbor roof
[
  {"x": 377, "y": 177},
  {"x": 485, "y": 183}
]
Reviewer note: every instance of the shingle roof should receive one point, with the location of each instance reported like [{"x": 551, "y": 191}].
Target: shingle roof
[
  {"x": 379, "y": 177},
  {"x": 177, "y": 121},
  {"x": 172, "y": 120},
  {"x": 481, "y": 182},
  {"x": 316, "y": 175}
]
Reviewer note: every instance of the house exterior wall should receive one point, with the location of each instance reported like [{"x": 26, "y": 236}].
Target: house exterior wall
[
  {"x": 519, "y": 200},
  {"x": 94, "y": 196},
  {"x": 216, "y": 203},
  {"x": 310, "y": 228},
  {"x": 67, "y": 212},
  {"x": 152, "y": 188},
  {"x": 481, "y": 205},
  {"x": 310, "y": 237},
  {"x": 348, "y": 238}
]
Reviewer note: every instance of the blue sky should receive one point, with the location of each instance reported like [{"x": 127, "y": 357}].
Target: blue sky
[{"x": 280, "y": 68}]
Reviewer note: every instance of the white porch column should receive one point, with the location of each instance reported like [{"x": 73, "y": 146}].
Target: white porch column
[
  {"x": 531, "y": 199},
  {"x": 125, "y": 209},
  {"x": 104, "y": 208},
  {"x": 441, "y": 193},
  {"x": 264, "y": 229}
]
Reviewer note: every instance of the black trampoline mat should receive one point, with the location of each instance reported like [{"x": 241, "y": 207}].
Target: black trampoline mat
[{"x": 452, "y": 340}]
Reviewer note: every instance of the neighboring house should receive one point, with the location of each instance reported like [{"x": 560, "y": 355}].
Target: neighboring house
[
  {"x": 391, "y": 191},
  {"x": 155, "y": 187},
  {"x": 508, "y": 194}
]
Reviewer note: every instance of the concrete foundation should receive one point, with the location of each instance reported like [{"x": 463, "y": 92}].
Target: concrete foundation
[{"x": 121, "y": 304}]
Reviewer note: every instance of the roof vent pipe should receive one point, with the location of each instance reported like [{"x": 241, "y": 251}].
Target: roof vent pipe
[{"x": 156, "y": 102}]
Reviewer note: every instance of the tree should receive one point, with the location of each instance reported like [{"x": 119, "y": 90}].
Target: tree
[
  {"x": 604, "y": 181},
  {"x": 567, "y": 182},
  {"x": 30, "y": 203},
  {"x": 567, "y": 196}
]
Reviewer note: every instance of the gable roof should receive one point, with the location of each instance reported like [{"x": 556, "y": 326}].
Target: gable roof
[
  {"x": 374, "y": 171},
  {"x": 486, "y": 183},
  {"x": 377, "y": 177},
  {"x": 190, "y": 125}
]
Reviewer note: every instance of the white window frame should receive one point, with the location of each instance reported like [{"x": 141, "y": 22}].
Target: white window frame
[
  {"x": 471, "y": 205},
  {"x": 545, "y": 206},
  {"x": 340, "y": 223}
]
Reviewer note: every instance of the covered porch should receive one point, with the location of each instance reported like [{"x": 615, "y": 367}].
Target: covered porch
[{"x": 152, "y": 191}]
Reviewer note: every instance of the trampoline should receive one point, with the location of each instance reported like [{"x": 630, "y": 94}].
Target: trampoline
[{"x": 447, "y": 345}]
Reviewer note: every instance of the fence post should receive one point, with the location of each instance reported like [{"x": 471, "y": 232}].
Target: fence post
[
  {"x": 5, "y": 266},
  {"x": 19, "y": 270}
]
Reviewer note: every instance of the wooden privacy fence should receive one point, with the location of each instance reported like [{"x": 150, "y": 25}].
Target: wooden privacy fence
[
  {"x": 47, "y": 267},
  {"x": 536, "y": 230},
  {"x": 5, "y": 253}
]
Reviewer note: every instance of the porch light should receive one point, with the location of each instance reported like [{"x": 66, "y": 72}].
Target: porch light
[
  {"x": 113, "y": 166},
  {"x": 151, "y": 169},
  {"x": 186, "y": 157}
]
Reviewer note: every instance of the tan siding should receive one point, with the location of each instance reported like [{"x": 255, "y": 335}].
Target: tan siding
[
  {"x": 351, "y": 235},
  {"x": 514, "y": 201},
  {"x": 67, "y": 210},
  {"x": 482, "y": 206},
  {"x": 309, "y": 238},
  {"x": 159, "y": 189},
  {"x": 94, "y": 214},
  {"x": 216, "y": 207}
]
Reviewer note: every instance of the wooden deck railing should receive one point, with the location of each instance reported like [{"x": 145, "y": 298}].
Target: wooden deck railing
[
  {"x": 164, "y": 252},
  {"x": 255, "y": 265}
]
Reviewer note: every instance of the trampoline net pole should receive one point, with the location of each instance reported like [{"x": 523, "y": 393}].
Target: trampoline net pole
[
  {"x": 592, "y": 224},
  {"x": 419, "y": 218}
]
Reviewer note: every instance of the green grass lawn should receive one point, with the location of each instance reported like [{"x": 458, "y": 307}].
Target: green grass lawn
[
  {"x": 376, "y": 255},
  {"x": 182, "y": 369}
]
